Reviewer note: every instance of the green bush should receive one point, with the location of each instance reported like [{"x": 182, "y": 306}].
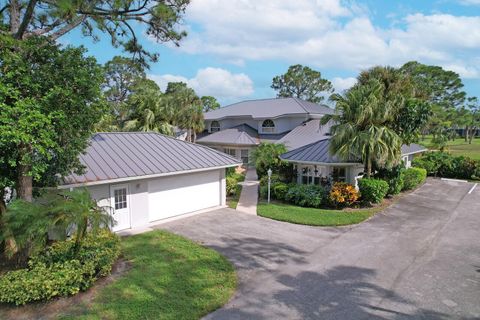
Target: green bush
[
  {"x": 267, "y": 156},
  {"x": 264, "y": 192},
  {"x": 273, "y": 180},
  {"x": 231, "y": 186},
  {"x": 394, "y": 177},
  {"x": 445, "y": 165},
  {"x": 306, "y": 195},
  {"x": 280, "y": 189},
  {"x": 414, "y": 177},
  {"x": 60, "y": 272},
  {"x": 373, "y": 190}
]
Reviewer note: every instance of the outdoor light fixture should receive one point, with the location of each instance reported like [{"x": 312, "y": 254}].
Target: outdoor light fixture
[{"x": 269, "y": 172}]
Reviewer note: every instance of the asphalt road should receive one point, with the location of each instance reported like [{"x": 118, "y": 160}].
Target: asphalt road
[{"x": 420, "y": 259}]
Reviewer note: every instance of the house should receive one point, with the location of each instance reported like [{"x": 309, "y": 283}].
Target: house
[
  {"x": 238, "y": 128},
  {"x": 146, "y": 177},
  {"x": 316, "y": 165}
]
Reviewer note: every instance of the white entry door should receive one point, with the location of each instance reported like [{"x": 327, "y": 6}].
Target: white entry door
[{"x": 121, "y": 207}]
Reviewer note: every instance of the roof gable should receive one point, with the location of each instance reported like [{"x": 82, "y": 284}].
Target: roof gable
[{"x": 239, "y": 135}]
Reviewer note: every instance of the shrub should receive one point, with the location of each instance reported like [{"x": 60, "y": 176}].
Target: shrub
[
  {"x": 267, "y": 156},
  {"x": 306, "y": 195},
  {"x": 445, "y": 165},
  {"x": 343, "y": 194},
  {"x": 373, "y": 190},
  {"x": 59, "y": 271},
  {"x": 264, "y": 192},
  {"x": 394, "y": 177},
  {"x": 231, "y": 186},
  {"x": 273, "y": 180},
  {"x": 280, "y": 189},
  {"x": 414, "y": 177}
]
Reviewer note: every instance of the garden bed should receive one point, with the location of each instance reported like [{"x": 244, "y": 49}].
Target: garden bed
[
  {"x": 317, "y": 217},
  {"x": 170, "y": 277}
]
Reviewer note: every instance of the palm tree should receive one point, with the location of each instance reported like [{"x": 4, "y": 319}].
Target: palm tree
[{"x": 360, "y": 129}]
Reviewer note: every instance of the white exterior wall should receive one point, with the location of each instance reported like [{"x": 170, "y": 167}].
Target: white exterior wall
[{"x": 183, "y": 194}]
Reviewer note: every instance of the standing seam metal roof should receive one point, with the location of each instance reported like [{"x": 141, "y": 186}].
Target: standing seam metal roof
[{"x": 119, "y": 155}]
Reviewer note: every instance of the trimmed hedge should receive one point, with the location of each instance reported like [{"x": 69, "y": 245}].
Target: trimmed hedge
[
  {"x": 373, "y": 190},
  {"x": 59, "y": 271},
  {"x": 414, "y": 177},
  {"x": 306, "y": 195}
]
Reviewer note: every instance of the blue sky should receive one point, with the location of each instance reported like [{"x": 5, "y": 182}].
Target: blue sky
[{"x": 235, "y": 47}]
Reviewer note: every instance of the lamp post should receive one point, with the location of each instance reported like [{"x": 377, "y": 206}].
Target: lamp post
[{"x": 269, "y": 172}]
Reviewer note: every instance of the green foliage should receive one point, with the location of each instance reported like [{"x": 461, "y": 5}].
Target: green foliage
[
  {"x": 373, "y": 190},
  {"x": 414, "y": 177},
  {"x": 59, "y": 271},
  {"x": 267, "y": 156},
  {"x": 442, "y": 164},
  {"x": 273, "y": 179},
  {"x": 302, "y": 82},
  {"x": 343, "y": 194},
  {"x": 361, "y": 129},
  {"x": 231, "y": 186},
  {"x": 306, "y": 195},
  {"x": 50, "y": 99},
  {"x": 280, "y": 190},
  {"x": 394, "y": 177},
  {"x": 209, "y": 103}
]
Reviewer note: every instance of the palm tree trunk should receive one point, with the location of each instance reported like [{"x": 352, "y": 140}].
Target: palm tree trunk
[{"x": 466, "y": 133}]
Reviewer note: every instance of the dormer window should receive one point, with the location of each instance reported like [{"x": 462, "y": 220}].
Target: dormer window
[
  {"x": 215, "y": 126},
  {"x": 268, "y": 126}
]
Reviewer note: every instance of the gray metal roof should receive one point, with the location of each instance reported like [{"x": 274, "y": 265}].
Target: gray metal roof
[
  {"x": 120, "y": 155},
  {"x": 239, "y": 135},
  {"x": 413, "y": 148},
  {"x": 318, "y": 152},
  {"x": 268, "y": 108},
  {"x": 309, "y": 132}
]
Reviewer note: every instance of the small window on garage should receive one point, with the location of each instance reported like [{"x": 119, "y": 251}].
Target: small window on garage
[
  {"x": 120, "y": 198},
  {"x": 268, "y": 126},
  {"x": 215, "y": 126}
]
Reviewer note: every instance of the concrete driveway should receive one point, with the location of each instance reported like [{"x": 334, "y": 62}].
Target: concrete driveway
[{"x": 419, "y": 259}]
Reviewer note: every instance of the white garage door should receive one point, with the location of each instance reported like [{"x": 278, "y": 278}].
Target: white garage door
[{"x": 175, "y": 195}]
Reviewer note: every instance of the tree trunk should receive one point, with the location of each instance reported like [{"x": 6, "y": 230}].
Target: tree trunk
[
  {"x": 194, "y": 136},
  {"x": 466, "y": 133},
  {"x": 472, "y": 135},
  {"x": 24, "y": 178}
]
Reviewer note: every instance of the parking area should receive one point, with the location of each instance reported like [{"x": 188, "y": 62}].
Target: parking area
[{"x": 419, "y": 259}]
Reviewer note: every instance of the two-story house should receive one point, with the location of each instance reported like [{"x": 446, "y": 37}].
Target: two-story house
[{"x": 238, "y": 128}]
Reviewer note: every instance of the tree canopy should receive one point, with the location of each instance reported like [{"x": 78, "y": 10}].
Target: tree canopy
[
  {"x": 53, "y": 19},
  {"x": 302, "y": 82}
]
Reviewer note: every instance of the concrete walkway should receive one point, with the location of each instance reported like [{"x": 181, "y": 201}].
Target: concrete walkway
[{"x": 249, "y": 196}]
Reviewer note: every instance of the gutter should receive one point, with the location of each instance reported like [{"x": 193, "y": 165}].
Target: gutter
[
  {"x": 150, "y": 176},
  {"x": 346, "y": 164}
]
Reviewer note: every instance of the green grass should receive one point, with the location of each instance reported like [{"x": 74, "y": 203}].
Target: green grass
[
  {"x": 314, "y": 217},
  {"x": 171, "y": 278},
  {"x": 457, "y": 147},
  {"x": 232, "y": 202}
]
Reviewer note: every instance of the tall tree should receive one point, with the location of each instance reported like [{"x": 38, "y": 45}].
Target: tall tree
[
  {"x": 302, "y": 82},
  {"x": 50, "y": 98},
  {"x": 22, "y": 19},
  {"x": 209, "y": 103},
  {"x": 360, "y": 129}
]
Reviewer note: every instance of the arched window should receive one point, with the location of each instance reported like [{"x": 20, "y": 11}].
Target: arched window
[
  {"x": 215, "y": 126},
  {"x": 268, "y": 126}
]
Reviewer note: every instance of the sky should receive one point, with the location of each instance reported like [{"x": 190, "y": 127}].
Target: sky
[{"x": 235, "y": 47}]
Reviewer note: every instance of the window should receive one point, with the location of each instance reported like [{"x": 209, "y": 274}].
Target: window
[
  {"x": 215, "y": 126},
  {"x": 244, "y": 156},
  {"x": 339, "y": 174},
  {"x": 231, "y": 152},
  {"x": 268, "y": 126},
  {"x": 120, "y": 198}
]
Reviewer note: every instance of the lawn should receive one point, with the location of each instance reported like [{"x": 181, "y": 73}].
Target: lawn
[
  {"x": 458, "y": 147},
  {"x": 171, "y": 278},
  {"x": 315, "y": 217}
]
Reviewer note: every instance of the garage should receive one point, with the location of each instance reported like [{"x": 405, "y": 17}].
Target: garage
[
  {"x": 180, "y": 194},
  {"x": 145, "y": 177}
]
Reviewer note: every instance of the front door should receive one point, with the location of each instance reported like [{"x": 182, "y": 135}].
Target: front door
[{"x": 121, "y": 207}]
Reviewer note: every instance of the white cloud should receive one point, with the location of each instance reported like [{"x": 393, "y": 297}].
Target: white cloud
[
  {"x": 342, "y": 84},
  {"x": 326, "y": 34},
  {"x": 216, "y": 82},
  {"x": 470, "y": 2}
]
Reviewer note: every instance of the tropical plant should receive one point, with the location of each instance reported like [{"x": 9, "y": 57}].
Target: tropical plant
[
  {"x": 360, "y": 129},
  {"x": 343, "y": 194},
  {"x": 267, "y": 156},
  {"x": 306, "y": 195}
]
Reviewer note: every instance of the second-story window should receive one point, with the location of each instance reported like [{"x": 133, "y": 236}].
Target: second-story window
[
  {"x": 215, "y": 126},
  {"x": 268, "y": 126}
]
